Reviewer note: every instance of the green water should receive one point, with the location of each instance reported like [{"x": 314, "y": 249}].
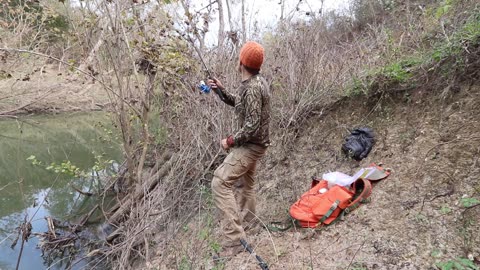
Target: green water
[{"x": 31, "y": 191}]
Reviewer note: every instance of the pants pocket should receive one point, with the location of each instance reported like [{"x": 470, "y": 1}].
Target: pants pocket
[{"x": 233, "y": 167}]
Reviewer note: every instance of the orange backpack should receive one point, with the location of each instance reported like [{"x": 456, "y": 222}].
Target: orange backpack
[{"x": 319, "y": 206}]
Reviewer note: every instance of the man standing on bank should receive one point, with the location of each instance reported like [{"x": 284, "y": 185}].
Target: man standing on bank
[{"x": 248, "y": 144}]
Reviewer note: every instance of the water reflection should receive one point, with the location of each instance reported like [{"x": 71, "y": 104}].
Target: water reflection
[{"x": 32, "y": 191}]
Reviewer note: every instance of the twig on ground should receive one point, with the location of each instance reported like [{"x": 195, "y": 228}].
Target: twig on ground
[
  {"x": 355, "y": 255},
  {"x": 472, "y": 206}
]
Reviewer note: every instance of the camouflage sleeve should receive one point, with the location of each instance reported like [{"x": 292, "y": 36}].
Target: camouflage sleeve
[
  {"x": 226, "y": 97},
  {"x": 253, "y": 112}
]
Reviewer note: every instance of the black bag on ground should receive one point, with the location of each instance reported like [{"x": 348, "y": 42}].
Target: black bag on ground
[{"x": 359, "y": 143}]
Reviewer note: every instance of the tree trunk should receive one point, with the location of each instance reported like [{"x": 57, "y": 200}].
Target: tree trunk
[
  {"x": 229, "y": 12},
  {"x": 93, "y": 52},
  {"x": 221, "y": 27},
  {"x": 244, "y": 24}
]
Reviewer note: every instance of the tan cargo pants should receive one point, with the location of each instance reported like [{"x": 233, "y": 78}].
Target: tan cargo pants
[{"x": 233, "y": 190}]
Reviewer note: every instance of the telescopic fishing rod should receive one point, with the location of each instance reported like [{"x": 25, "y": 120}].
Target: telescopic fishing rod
[
  {"x": 203, "y": 87},
  {"x": 263, "y": 265}
]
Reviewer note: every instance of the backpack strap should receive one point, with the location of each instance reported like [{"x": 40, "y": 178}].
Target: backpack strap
[
  {"x": 278, "y": 226},
  {"x": 282, "y": 226},
  {"x": 365, "y": 188},
  {"x": 329, "y": 212}
]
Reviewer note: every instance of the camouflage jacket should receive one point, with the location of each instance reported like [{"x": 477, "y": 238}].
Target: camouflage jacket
[{"x": 252, "y": 110}]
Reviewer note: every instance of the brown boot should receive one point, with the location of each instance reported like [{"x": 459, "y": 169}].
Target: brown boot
[
  {"x": 253, "y": 228},
  {"x": 228, "y": 251}
]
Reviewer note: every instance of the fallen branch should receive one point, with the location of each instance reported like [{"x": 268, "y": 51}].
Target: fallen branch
[
  {"x": 76, "y": 227},
  {"x": 51, "y": 226},
  {"x": 87, "y": 216},
  {"x": 120, "y": 210},
  {"x": 25, "y": 230},
  {"x": 82, "y": 192},
  {"x": 114, "y": 235}
]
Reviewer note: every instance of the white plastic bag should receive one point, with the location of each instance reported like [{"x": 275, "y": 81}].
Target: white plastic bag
[
  {"x": 337, "y": 178},
  {"x": 341, "y": 179}
]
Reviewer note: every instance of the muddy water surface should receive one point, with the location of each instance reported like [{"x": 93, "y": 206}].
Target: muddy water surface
[{"x": 31, "y": 192}]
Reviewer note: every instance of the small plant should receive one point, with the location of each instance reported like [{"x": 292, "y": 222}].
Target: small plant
[
  {"x": 455, "y": 45},
  {"x": 436, "y": 253},
  {"x": 458, "y": 264},
  {"x": 358, "y": 88},
  {"x": 206, "y": 193},
  {"x": 469, "y": 202},
  {"x": 101, "y": 163},
  {"x": 421, "y": 218},
  {"x": 359, "y": 266},
  {"x": 396, "y": 72},
  {"x": 215, "y": 246},
  {"x": 67, "y": 168},
  {"x": 204, "y": 234},
  {"x": 444, "y": 8},
  {"x": 34, "y": 160},
  {"x": 219, "y": 266},
  {"x": 184, "y": 264},
  {"x": 445, "y": 209}
]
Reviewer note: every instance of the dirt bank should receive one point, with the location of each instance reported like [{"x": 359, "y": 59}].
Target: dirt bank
[
  {"x": 418, "y": 217},
  {"x": 46, "y": 89}
]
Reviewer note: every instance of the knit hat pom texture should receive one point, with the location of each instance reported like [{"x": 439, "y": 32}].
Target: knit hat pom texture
[{"x": 251, "y": 55}]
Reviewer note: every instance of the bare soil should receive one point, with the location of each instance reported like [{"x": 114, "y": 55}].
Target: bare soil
[
  {"x": 46, "y": 89},
  {"x": 417, "y": 217}
]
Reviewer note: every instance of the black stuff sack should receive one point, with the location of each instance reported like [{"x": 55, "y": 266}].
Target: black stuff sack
[{"x": 359, "y": 143}]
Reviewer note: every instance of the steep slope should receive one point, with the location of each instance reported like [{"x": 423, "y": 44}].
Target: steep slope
[
  {"x": 425, "y": 214},
  {"x": 418, "y": 217}
]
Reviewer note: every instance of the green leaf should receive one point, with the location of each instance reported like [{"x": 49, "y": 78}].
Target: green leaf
[
  {"x": 468, "y": 202},
  {"x": 32, "y": 157},
  {"x": 436, "y": 253},
  {"x": 458, "y": 266},
  {"x": 468, "y": 263},
  {"x": 445, "y": 209}
]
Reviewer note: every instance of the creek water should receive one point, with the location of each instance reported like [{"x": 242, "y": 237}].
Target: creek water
[{"x": 31, "y": 192}]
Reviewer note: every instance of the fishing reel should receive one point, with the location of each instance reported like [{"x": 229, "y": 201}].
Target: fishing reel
[{"x": 204, "y": 88}]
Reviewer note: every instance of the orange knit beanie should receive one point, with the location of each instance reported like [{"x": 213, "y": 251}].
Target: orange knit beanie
[{"x": 251, "y": 55}]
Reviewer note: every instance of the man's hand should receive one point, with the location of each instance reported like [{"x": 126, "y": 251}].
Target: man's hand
[
  {"x": 224, "y": 144},
  {"x": 214, "y": 84}
]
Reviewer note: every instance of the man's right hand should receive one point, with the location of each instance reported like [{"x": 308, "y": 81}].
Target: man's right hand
[{"x": 214, "y": 84}]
